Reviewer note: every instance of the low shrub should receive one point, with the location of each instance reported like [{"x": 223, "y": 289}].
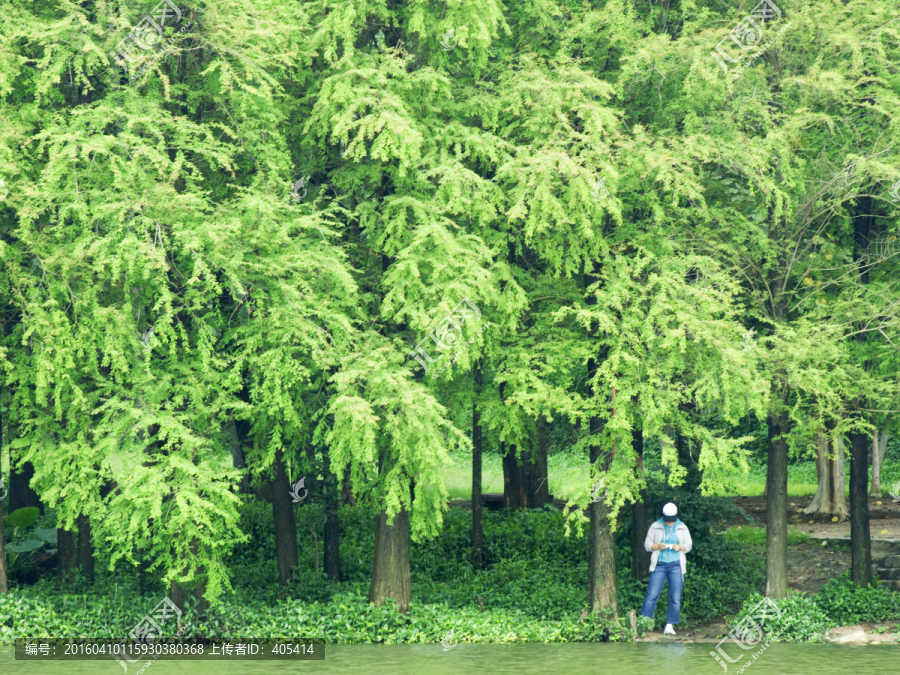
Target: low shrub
[
  {"x": 847, "y": 604},
  {"x": 801, "y": 618}
]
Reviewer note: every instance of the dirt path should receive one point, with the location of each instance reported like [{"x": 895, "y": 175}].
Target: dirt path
[{"x": 884, "y": 517}]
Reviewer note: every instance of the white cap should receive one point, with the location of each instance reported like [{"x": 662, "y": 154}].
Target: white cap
[{"x": 670, "y": 509}]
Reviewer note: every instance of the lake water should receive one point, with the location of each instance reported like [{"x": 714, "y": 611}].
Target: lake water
[{"x": 526, "y": 659}]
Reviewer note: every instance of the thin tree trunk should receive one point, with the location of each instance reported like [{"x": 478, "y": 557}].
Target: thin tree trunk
[
  {"x": 64, "y": 550},
  {"x": 347, "y": 491},
  {"x": 640, "y": 559},
  {"x": 776, "y": 508},
  {"x": 390, "y": 566},
  {"x": 860, "y": 537},
  {"x": 4, "y": 585},
  {"x": 879, "y": 446},
  {"x": 237, "y": 455},
  {"x": 85, "y": 548},
  {"x": 332, "y": 520},
  {"x": 693, "y": 477},
  {"x": 537, "y": 480},
  {"x": 477, "y": 499},
  {"x": 285, "y": 522}
]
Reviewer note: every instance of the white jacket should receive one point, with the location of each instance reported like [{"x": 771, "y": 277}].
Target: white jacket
[{"x": 655, "y": 536}]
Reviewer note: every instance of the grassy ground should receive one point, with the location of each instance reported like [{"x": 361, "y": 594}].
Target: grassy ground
[{"x": 566, "y": 470}]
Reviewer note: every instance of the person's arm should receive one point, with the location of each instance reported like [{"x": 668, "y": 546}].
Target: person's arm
[
  {"x": 648, "y": 540},
  {"x": 687, "y": 544}
]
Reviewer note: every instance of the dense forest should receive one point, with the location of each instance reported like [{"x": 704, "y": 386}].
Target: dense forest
[{"x": 269, "y": 269}]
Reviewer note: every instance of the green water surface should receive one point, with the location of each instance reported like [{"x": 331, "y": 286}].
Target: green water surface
[{"x": 525, "y": 659}]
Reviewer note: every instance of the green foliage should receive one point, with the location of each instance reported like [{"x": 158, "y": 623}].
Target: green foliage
[
  {"x": 847, "y": 604},
  {"x": 22, "y": 518},
  {"x": 801, "y": 620}
]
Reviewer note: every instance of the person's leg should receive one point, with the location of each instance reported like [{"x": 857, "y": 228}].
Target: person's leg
[
  {"x": 676, "y": 584},
  {"x": 654, "y": 588}
]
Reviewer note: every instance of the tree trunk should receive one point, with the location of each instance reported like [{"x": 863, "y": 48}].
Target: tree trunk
[
  {"x": 525, "y": 478},
  {"x": 830, "y": 498},
  {"x": 64, "y": 550},
  {"x": 20, "y": 492},
  {"x": 693, "y": 477},
  {"x": 85, "y": 548},
  {"x": 776, "y": 508},
  {"x": 332, "y": 520},
  {"x": 640, "y": 559},
  {"x": 347, "y": 491},
  {"x": 477, "y": 499},
  {"x": 602, "y": 549},
  {"x": 537, "y": 480},
  {"x": 196, "y": 588},
  {"x": 879, "y": 446},
  {"x": 514, "y": 494},
  {"x": 4, "y": 585},
  {"x": 513, "y": 479},
  {"x": 285, "y": 522},
  {"x": 860, "y": 538},
  {"x": 390, "y": 566},
  {"x": 237, "y": 454}
]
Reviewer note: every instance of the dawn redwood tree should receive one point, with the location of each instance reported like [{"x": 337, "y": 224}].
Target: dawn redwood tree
[{"x": 392, "y": 437}]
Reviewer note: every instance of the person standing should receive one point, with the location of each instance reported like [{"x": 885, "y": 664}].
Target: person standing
[{"x": 669, "y": 540}]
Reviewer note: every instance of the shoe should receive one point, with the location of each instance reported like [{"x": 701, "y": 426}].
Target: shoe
[{"x": 669, "y": 630}]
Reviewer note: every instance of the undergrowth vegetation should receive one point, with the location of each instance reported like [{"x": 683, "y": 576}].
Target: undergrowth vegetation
[{"x": 533, "y": 587}]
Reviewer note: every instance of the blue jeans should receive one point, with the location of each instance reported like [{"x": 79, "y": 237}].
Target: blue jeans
[{"x": 663, "y": 572}]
